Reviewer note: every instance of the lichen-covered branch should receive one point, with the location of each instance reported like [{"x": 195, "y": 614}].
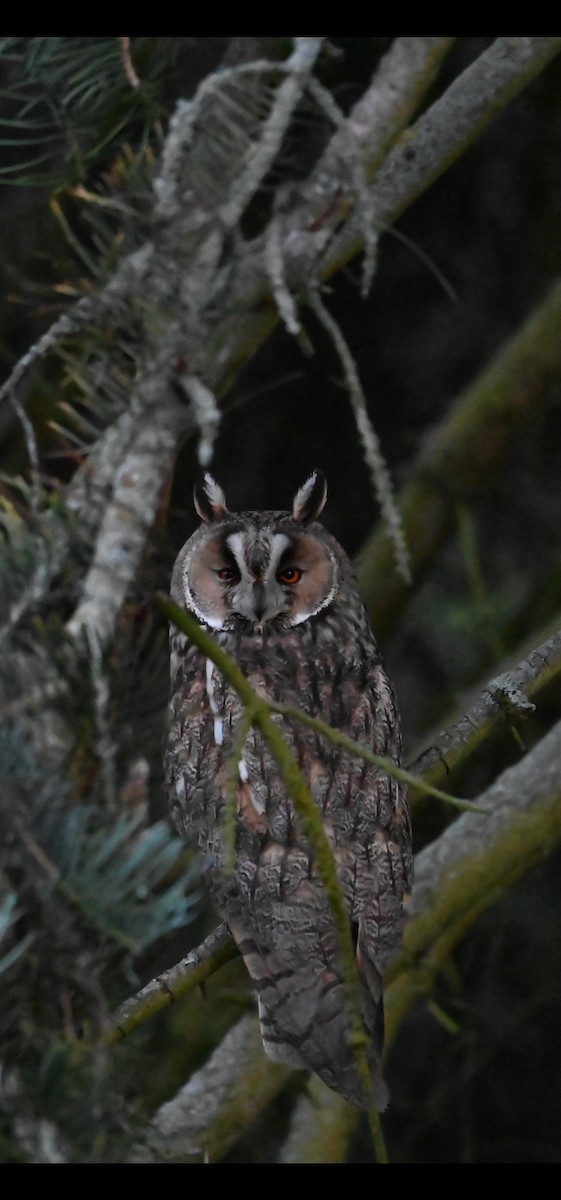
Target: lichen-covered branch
[
  {"x": 371, "y": 445},
  {"x": 128, "y": 518},
  {"x": 503, "y": 702},
  {"x": 215, "y": 315},
  {"x": 448, "y": 128},
  {"x": 107, "y": 304}
]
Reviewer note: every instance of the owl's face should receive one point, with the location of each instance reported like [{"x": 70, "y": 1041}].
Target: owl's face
[{"x": 253, "y": 569}]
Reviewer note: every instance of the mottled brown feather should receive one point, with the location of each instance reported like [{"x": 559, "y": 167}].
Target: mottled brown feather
[{"x": 321, "y": 657}]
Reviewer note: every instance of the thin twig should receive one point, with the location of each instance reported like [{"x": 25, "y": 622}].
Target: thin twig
[
  {"x": 298, "y": 68},
  {"x": 207, "y": 415},
  {"x": 128, "y": 63},
  {"x": 89, "y": 310},
  {"x": 372, "y": 450},
  {"x": 274, "y": 262},
  {"x": 190, "y": 973},
  {"x": 452, "y": 750},
  {"x": 32, "y": 451},
  {"x": 106, "y": 747}
]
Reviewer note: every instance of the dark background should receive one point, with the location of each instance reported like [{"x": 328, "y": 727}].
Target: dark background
[{"x": 456, "y": 277}]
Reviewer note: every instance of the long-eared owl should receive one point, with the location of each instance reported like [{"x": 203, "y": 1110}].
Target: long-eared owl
[{"x": 278, "y": 593}]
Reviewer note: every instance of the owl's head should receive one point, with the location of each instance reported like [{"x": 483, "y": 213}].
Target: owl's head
[{"x": 253, "y": 568}]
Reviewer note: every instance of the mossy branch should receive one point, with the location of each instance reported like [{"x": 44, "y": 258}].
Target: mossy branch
[
  {"x": 463, "y": 455},
  {"x": 218, "y": 1103},
  {"x": 190, "y": 973},
  {"x": 385, "y": 764},
  {"x": 321, "y": 1127},
  {"x": 471, "y": 865}
]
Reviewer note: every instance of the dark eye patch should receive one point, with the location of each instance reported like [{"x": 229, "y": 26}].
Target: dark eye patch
[
  {"x": 226, "y": 567},
  {"x": 287, "y": 556}
]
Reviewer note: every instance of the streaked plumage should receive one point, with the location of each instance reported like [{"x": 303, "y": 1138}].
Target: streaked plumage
[{"x": 278, "y": 592}]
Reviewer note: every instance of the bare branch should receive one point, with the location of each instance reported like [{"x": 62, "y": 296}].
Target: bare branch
[
  {"x": 274, "y": 263},
  {"x": 128, "y": 63},
  {"x": 451, "y": 751},
  {"x": 309, "y": 252},
  {"x": 33, "y": 454},
  {"x": 207, "y": 415},
  {"x": 298, "y": 68},
  {"x": 106, "y": 748}
]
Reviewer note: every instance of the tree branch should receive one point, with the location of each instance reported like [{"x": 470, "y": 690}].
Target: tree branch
[
  {"x": 462, "y": 454},
  {"x": 187, "y": 975},
  {"x": 128, "y": 519},
  {"x": 203, "y": 1120},
  {"x": 447, "y": 129},
  {"x": 451, "y": 751},
  {"x": 321, "y": 1127},
  {"x": 471, "y": 865}
]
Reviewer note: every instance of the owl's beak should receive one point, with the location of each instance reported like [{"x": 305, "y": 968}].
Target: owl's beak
[{"x": 259, "y": 602}]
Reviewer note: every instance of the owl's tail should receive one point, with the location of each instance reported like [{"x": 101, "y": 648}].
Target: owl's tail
[{"x": 304, "y": 1018}]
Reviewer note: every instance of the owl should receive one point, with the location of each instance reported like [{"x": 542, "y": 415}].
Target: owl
[{"x": 278, "y": 593}]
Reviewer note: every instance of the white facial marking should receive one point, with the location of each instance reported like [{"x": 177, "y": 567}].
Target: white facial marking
[
  {"x": 280, "y": 543},
  {"x": 257, "y": 804},
  {"x": 235, "y": 541},
  {"x": 218, "y": 722},
  {"x": 243, "y": 771},
  {"x": 304, "y": 616},
  {"x": 205, "y": 618}
]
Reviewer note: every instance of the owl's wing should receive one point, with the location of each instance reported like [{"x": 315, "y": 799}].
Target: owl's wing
[
  {"x": 303, "y": 1014},
  {"x": 290, "y": 947},
  {"x": 273, "y": 898}
]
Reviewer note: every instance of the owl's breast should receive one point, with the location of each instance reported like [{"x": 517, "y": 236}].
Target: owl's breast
[{"x": 222, "y": 772}]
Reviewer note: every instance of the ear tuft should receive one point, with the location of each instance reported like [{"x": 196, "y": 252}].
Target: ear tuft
[
  {"x": 310, "y": 498},
  {"x": 209, "y": 500}
]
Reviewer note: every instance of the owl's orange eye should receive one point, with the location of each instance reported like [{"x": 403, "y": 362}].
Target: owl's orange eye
[
  {"x": 289, "y": 575},
  {"x": 228, "y": 574}
]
